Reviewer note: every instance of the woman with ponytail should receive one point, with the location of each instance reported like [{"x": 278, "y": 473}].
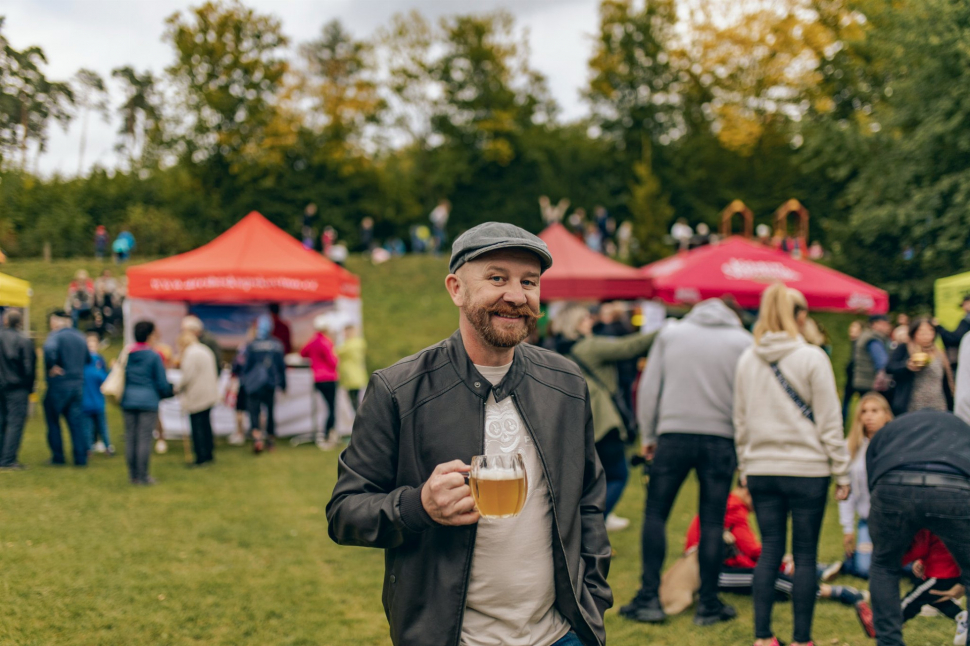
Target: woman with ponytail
[{"x": 790, "y": 443}]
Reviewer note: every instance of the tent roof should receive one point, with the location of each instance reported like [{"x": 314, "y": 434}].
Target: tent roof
[
  {"x": 253, "y": 261},
  {"x": 14, "y": 292},
  {"x": 744, "y": 269},
  {"x": 579, "y": 273}
]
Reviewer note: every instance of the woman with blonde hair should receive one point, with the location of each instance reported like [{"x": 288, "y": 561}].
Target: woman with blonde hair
[
  {"x": 871, "y": 414},
  {"x": 788, "y": 420}
]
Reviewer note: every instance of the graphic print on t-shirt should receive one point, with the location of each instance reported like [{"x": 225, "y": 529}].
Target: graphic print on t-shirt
[{"x": 502, "y": 431}]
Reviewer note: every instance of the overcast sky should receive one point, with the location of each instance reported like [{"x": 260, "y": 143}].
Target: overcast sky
[{"x": 105, "y": 34}]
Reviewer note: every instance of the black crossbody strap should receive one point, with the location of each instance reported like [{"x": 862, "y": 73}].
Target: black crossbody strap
[{"x": 792, "y": 394}]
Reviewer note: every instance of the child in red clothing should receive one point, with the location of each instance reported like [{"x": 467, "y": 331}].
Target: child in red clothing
[
  {"x": 744, "y": 549},
  {"x": 932, "y": 561}
]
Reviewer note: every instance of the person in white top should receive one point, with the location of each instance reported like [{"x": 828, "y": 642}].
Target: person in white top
[
  {"x": 198, "y": 393},
  {"x": 871, "y": 414},
  {"x": 788, "y": 423}
]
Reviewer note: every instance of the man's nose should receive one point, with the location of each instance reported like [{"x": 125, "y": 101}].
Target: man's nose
[{"x": 514, "y": 294}]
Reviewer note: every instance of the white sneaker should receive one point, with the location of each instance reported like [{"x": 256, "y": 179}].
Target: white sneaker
[
  {"x": 616, "y": 523},
  {"x": 929, "y": 611},
  {"x": 831, "y": 572},
  {"x": 960, "y": 639},
  {"x": 237, "y": 439},
  {"x": 98, "y": 447}
]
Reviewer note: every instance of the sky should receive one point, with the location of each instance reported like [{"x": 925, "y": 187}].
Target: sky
[{"x": 104, "y": 34}]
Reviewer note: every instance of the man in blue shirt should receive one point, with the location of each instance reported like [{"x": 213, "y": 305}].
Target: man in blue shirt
[{"x": 65, "y": 356}]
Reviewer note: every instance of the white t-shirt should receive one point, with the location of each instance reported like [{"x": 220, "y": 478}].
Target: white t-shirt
[{"x": 512, "y": 591}]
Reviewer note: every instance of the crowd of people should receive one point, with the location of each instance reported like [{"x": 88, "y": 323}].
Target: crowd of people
[
  {"x": 80, "y": 383},
  {"x": 755, "y": 414},
  {"x": 96, "y": 305}
]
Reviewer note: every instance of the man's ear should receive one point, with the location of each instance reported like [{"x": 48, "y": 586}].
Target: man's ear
[{"x": 455, "y": 289}]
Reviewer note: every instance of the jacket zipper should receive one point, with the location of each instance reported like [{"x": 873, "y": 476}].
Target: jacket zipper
[
  {"x": 555, "y": 514},
  {"x": 471, "y": 547}
]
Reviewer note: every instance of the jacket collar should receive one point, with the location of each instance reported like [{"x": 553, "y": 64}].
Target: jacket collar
[{"x": 474, "y": 380}]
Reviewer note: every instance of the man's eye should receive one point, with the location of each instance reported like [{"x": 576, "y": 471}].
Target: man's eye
[{"x": 496, "y": 278}]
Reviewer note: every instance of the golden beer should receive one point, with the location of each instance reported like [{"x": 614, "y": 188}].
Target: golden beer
[{"x": 499, "y": 485}]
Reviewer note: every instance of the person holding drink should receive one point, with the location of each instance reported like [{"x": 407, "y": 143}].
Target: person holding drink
[
  {"x": 924, "y": 379},
  {"x": 472, "y": 463}
]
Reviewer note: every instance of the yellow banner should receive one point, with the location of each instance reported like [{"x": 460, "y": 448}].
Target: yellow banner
[{"x": 948, "y": 295}]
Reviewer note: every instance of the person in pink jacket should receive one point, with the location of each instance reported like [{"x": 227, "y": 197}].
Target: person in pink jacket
[{"x": 323, "y": 362}]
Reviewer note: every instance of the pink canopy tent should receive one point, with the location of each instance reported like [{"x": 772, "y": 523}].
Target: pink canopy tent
[
  {"x": 579, "y": 273},
  {"x": 744, "y": 268}
]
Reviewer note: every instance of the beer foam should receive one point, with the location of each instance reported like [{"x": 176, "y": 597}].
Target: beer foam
[{"x": 498, "y": 474}]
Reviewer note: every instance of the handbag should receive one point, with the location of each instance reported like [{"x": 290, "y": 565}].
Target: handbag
[
  {"x": 619, "y": 402},
  {"x": 805, "y": 409},
  {"x": 679, "y": 584},
  {"x": 114, "y": 383}
]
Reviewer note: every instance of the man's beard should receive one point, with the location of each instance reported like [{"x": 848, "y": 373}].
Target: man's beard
[{"x": 481, "y": 320}]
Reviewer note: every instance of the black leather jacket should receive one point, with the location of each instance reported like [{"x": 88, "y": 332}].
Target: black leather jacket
[
  {"x": 429, "y": 409},
  {"x": 18, "y": 361}
]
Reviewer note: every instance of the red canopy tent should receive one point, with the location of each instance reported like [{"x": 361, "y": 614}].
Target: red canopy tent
[
  {"x": 579, "y": 273},
  {"x": 744, "y": 269},
  {"x": 253, "y": 261}
]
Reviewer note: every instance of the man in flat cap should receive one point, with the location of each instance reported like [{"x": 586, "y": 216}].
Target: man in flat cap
[{"x": 535, "y": 579}]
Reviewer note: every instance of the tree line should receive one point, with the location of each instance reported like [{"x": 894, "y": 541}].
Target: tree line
[{"x": 854, "y": 107}]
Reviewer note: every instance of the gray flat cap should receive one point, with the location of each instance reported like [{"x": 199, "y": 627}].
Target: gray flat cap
[{"x": 492, "y": 236}]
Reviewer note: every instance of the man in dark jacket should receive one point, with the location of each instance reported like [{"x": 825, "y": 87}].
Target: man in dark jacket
[
  {"x": 18, "y": 360},
  {"x": 919, "y": 475},
  {"x": 262, "y": 375},
  {"x": 538, "y": 578},
  {"x": 65, "y": 355}
]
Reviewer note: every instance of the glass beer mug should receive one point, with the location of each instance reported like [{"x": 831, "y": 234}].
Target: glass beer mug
[{"x": 499, "y": 484}]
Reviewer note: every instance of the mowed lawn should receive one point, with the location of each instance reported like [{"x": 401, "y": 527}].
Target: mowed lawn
[{"x": 239, "y": 553}]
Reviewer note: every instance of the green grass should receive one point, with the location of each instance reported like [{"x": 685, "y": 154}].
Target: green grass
[{"x": 238, "y": 554}]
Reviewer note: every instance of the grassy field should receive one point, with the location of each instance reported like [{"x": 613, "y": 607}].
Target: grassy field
[{"x": 238, "y": 554}]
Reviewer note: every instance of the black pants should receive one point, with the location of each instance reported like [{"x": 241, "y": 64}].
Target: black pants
[
  {"x": 328, "y": 390},
  {"x": 202, "y": 442},
  {"x": 921, "y": 595},
  {"x": 139, "y": 425},
  {"x": 740, "y": 580},
  {"x": 13, "y": 417},
  {"x": 714, "y": 460},
  {"x": 897, "y": 512},
  {"x": 775, "y": 498},
  {"x": 255, "y": 403}
]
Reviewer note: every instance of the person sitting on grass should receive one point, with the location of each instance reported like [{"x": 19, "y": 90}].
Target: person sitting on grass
[
  {"x": 941, "y": 583},
  {"x": 92, "y": 400},
  {"x": 742, "y": 550}
]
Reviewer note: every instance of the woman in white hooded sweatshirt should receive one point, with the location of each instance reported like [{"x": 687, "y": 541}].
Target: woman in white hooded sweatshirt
[{"x": 790, "y": 443}]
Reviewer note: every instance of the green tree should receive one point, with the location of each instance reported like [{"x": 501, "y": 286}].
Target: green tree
[
  {"x": 90, "y": 95},
  {"x": 141, "y": 114},
  {"x": 29, "y": 101},
  {"x": 228, "y": 68}
]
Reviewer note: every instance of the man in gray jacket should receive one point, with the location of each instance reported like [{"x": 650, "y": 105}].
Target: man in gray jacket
[
  {"x": 684, "y": 407},
  {"x": 535, "y": 579}
]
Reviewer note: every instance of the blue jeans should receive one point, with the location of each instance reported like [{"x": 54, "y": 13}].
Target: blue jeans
[
  {"x": 569, "y": 640},
  {"x": 97, "y": 425},
  {"x": 66, "y": 401},
  {"x": 612, "y": 454},
  {"x": 858, "y": 564}
]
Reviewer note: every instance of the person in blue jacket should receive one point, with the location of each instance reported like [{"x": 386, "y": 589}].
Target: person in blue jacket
[
  {"x": 92, "y": 401},
  {"x": 145, "y": 386}
]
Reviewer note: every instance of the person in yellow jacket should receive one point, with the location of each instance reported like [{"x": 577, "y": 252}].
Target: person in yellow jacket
[{"x": 352, "y": 355}]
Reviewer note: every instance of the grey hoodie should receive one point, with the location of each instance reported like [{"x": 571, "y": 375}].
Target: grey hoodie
[{"x": 688, "y": 386}]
